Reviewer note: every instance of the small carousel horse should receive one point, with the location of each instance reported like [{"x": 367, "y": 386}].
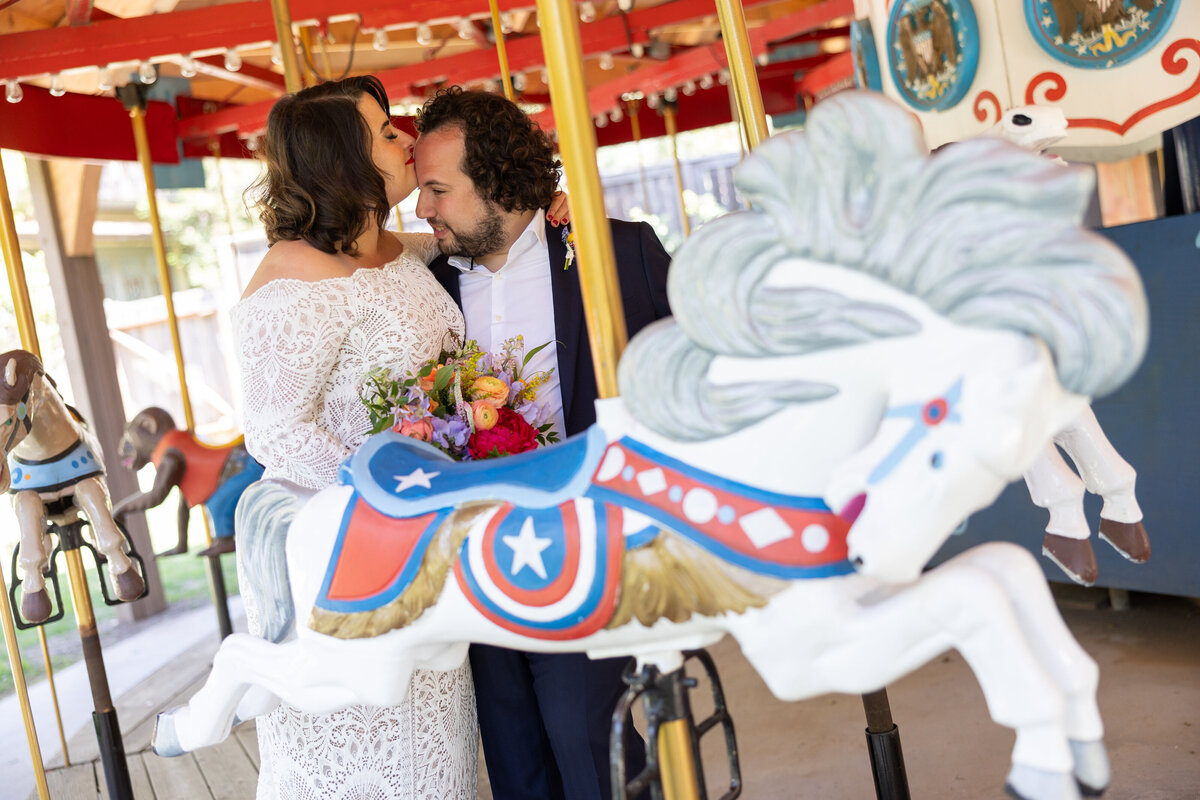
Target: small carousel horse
[
  {"x": 53, "y": 467},
  {"x": 883, "y": 335},
  {"x": 212, "y": 476},
  {"x": 1052, "y": 484}
]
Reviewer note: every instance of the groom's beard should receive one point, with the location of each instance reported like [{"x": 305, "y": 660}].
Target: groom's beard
[{"x": 485, "y": 238}]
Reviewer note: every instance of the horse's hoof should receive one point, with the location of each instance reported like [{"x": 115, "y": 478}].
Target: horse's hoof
[
  {"x": 1073, "y": 556},
  {"x": 1127, "y": 538},
  {"x": 1092, "y": 771},
  {"x": 218, "y": 547},
  {"x": 35, "y": 606},
  {"x": 1028, "y": 783},
  {"x": 128, "y": 585},
  {"x": 165, "y": 741}
]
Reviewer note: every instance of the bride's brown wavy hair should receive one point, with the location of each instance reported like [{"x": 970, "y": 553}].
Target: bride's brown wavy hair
[{"x": 321, "y": 184}]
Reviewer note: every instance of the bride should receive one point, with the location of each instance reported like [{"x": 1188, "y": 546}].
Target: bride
[{"x": 335, "y": 296}]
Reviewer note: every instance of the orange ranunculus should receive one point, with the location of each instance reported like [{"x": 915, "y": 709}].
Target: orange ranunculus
[
  {"x": 490, "y": 390},
  {"x": 485, "y": 415},
  {"x": 421, "y": 429},
  {"x": 427, "y": 381}
]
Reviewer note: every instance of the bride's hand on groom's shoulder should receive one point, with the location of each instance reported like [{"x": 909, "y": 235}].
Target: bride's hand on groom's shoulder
[{"x": 559, "y": 212}]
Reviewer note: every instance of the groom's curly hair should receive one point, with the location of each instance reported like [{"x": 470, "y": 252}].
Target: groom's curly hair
[{"x": 507, "y": 155}]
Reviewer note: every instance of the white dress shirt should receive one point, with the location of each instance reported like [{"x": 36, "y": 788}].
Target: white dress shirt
[{"x": 516, "y": 300}]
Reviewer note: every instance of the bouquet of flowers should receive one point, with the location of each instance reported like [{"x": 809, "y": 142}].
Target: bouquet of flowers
[{"x": 467, "y": 403}]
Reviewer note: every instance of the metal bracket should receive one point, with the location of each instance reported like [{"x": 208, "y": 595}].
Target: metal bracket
[{"x": 664, "y": 699}]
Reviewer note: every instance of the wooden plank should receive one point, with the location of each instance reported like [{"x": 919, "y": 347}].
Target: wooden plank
[
  {"x": 228, "y": 770},
  {"x": 137, "y": 709},
  {"x": 71, "y": 783},
  {"x": 176, "y": 777},
  {"x": 139, "y": 780},
  {"x": 137, "y": 738},
  {"x": 247, "y": 736}
]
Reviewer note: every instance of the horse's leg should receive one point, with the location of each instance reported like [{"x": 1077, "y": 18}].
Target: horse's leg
[
  {"x": 1053, "y": 486},
  {"x": 92, "y": 496},
  {"x": 302, "y": 673},
  {"x": 35, "y": 556},
  {"x": 857, "y": 641},
  {"x": 1105, "y": 473},
  {"x": 1064, "y": 660}
]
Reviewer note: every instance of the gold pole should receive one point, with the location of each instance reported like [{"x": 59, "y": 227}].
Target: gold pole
[
  {"x": 399, "y": 219},
  {"x": 138, "y": 116},
  {"x": 62, "y": 736},
  {"x": 635, "y": 126},
  {"x": 743, "y": 76},
  {"x": 20, "y": 296},
  {"x": 577, "y": 143},
  {"x": 287, "y": 46},
  {"x": 311, "y": 78},
  {"x": 501, "y": 53},
  {"x": 669, "y": 117},
  {"x": 675, "y": 754}
]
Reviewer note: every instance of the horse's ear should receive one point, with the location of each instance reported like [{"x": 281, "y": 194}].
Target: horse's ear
[
  {"x": 149, "y": 424},
  {"x": 10, "y": 372}
]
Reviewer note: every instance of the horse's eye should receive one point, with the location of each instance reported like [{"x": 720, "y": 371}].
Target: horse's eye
[
  {"x": 1021, "y": 119},
  {"x": 936, "y": 460}
]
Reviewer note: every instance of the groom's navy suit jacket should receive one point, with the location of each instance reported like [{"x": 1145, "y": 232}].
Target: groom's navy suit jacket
[
  {"x": 642, "y": 273},
  {"x": 545, "y": 718}
]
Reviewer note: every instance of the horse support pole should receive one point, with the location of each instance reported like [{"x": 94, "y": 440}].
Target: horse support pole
[
  {"x": 134, "y": 98},
  {"x": 104, "y": 716},
  {"x": 883, "y": 745}
]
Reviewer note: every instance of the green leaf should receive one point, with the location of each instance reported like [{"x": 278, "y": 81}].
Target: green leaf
[
  {"x": 444, "y": 376},
  {"x": 534, "y": 352},
  {"x": 425, "y": 370}
]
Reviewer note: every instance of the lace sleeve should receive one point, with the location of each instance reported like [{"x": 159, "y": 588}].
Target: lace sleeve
[
  {"x": 423, "y": 245},
  {"x": 289, "y": 337}
]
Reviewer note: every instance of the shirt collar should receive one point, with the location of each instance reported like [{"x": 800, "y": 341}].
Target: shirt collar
[{"x": 534, "y": 235}]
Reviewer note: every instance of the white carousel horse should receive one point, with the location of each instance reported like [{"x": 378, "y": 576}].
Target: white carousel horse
[
  {"x": 54, "y": 468},
  {"x": 850, "y": 343},
  {"x": 1052, "y": 484}
]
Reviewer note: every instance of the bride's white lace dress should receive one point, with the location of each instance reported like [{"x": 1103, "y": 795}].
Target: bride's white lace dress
[{"x": 304, "y": 348}]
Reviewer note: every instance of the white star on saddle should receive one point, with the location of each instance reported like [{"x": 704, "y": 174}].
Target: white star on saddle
[
  {"x": 527, "y": 550},
  {"x": 418, "y": 477}
]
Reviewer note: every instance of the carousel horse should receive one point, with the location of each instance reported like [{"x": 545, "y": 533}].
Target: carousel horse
[
  {"x": 1052, "y": 484},
  {"x": 866, "y": 356},
  {"x": 53, "y": 467},
  {"x": 214, "y": 477}
]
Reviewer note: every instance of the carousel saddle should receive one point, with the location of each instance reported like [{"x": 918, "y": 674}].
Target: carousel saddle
[{"x": 402, "y": 477}]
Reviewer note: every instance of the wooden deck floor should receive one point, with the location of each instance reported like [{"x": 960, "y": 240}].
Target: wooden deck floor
[{"x": 228, "y": 771}]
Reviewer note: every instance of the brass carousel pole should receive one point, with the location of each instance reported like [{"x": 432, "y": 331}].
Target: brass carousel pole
[
  {"x": 24, "y": 313},
  {"x": 135, "y": 101},
  {"x": 287, "y": 45},
  {"x": 501, "y": 53},
  {"x": 669, "y": 118},
  {"x": 598, "y": 281},
  {"x": 743, "y": 76},
  {"x": 635, "y": 127}
]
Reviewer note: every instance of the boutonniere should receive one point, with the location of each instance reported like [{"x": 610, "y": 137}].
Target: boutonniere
[{"x": 568, "y": 237}]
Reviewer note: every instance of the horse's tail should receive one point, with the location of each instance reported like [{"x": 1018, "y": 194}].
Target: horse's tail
[{"x": 264, "y": 514}]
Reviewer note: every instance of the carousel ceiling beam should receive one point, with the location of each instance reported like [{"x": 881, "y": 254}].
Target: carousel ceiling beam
[
  {"x": 38, "y": 52},
  {"x": 838, "y": 69},
  {"x": 700, "y": 61},
  {"x": 249, "y": 75},
  {"x": 524, "y": 52}
]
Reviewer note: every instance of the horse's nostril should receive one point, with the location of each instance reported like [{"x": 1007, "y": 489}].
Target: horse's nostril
[{"x": 858, "y": 562}]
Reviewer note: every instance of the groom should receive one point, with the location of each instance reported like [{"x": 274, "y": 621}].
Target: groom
[{"x": 486, "y": 175}]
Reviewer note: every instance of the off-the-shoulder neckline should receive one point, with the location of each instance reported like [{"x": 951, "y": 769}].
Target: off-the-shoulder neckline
[{"x": 407, "y": 251}]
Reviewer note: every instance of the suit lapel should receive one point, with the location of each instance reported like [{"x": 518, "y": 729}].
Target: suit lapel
[
  {"x": 568, "y": 314},
  {"x": 447, "y": 276}
]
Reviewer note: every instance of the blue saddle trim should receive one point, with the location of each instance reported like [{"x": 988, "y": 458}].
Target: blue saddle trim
[
  {"x": 758, "y": 565},
  {"x": 65, "y": 469},
  {"x": 541, "y": 478},
  {"x": 641, "y": 538}
]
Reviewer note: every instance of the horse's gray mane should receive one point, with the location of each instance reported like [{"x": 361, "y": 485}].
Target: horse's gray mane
[{"x": 984, "y": 233}]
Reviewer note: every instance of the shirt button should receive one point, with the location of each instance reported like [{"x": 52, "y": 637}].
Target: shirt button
[{"x": 499, "y": 318}]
